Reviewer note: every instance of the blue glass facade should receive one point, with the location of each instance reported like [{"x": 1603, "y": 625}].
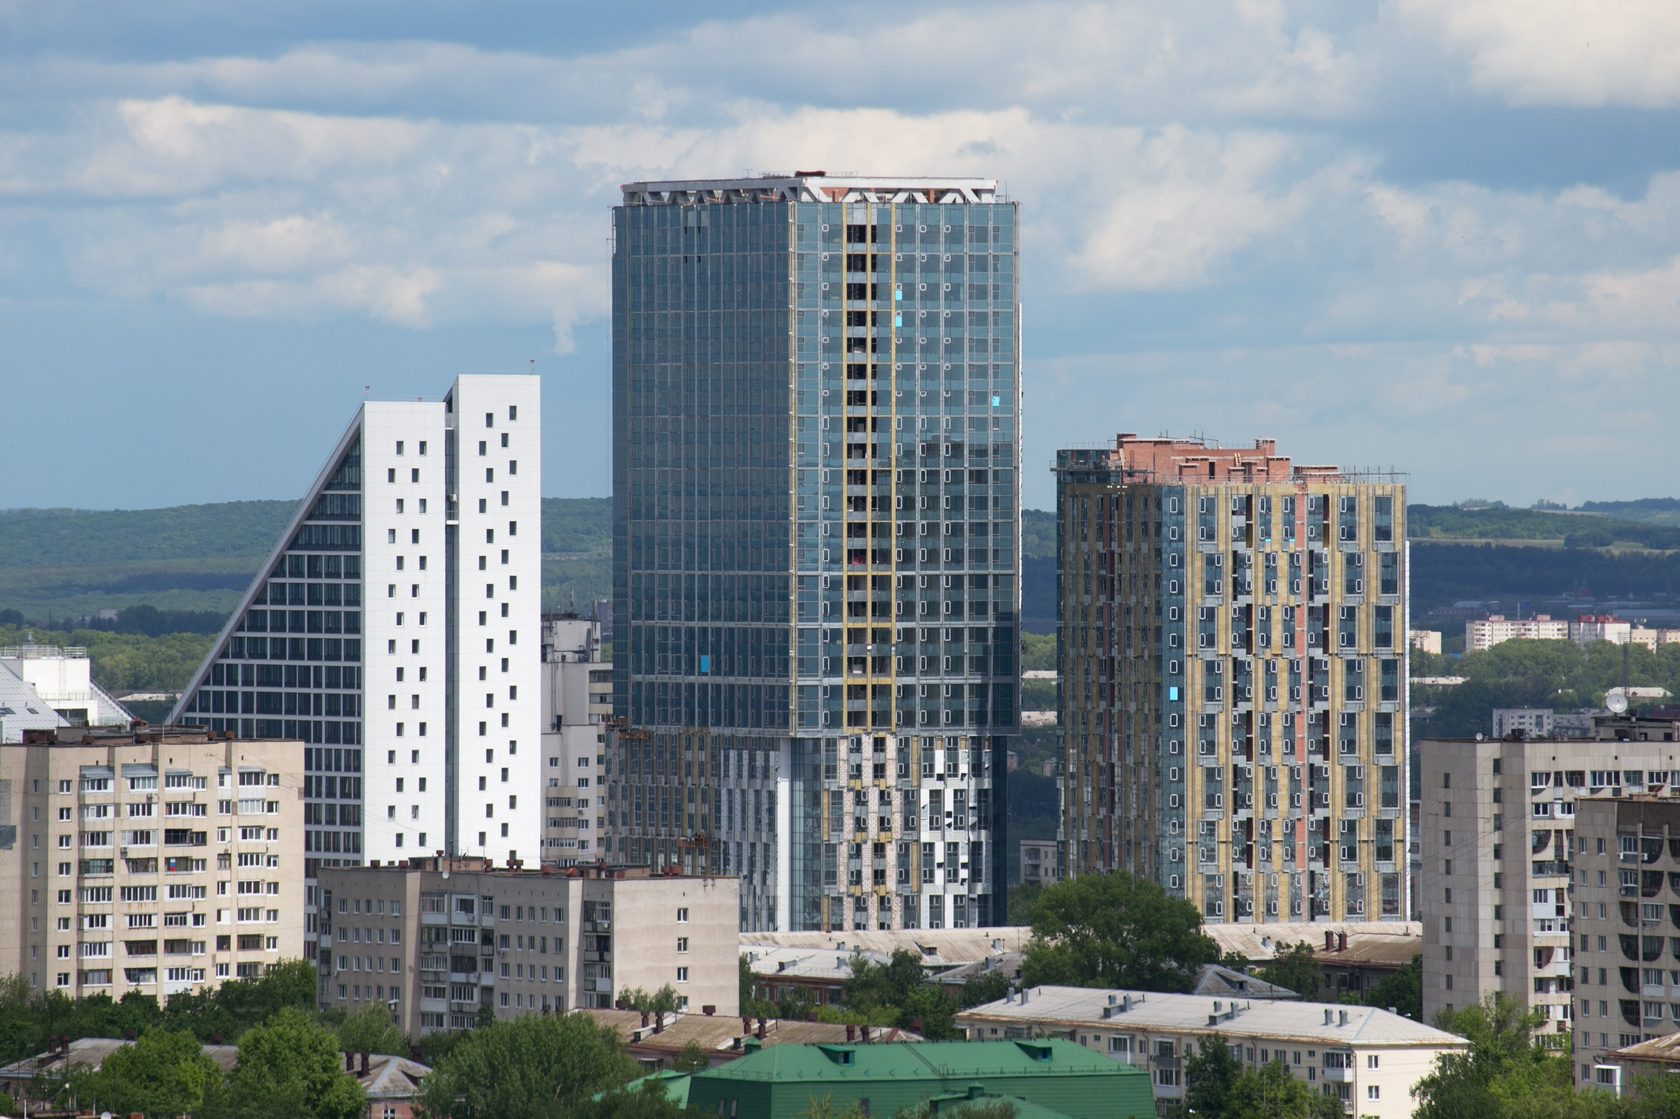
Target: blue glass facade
[{"x": 816, "y": 559}]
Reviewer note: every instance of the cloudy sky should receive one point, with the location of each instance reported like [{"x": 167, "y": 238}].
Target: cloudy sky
[{"x": 1441, "y": 235}]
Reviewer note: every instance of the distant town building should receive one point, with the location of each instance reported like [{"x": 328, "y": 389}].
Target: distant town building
[
  {"x": 1425, "y": 640},
  {"x": 1498, "y": 832},
  {"x": 156, "y": 861},
  {"x": 1482, "y": 634},
  {"x": 1535, "y": 722},
  {"x": 1653, "y": 639},
  {"x": 1627, "y": 957},
  {"x": 1600, "y": 627},
  {"x": 63, "y": 677},
  {"x": 657, "y": 1040},
  {"x": 1233, "y": 661},
  {"x": 1038, "y": 862},
  {"x": 393, "y": 629},
  {"x": 576, "y": 704},
  {"x": 1367, "y": 1058},
  {"x": 435, "y": 939}
]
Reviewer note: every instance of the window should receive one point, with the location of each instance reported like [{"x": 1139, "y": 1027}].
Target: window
[
  {"x": 682, "y": 944},
  {"x": 1373, "y": 1092},
  {"x": 682, "y": 975},
  {"x": 682, "y": 914}
]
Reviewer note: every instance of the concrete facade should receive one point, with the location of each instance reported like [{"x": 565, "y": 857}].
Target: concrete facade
[
  {"x": 1039, "y": 862},
  {"x": 576, "y": 704},
  {"x": 1481, "y": 634},
  {"x": 1627, "y": 930},
  {"x": 1233, "y": 678},
  {"x": 158, "y": 861},
  {"x": 1368, "y": 1059},
  {"x": 437, "y": 939},
  {"x": 1498, "y": 836}
]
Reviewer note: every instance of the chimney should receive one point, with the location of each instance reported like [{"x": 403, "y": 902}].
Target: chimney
[
  {"x": 644, "y": 1019},
  {"x": 364, "y": 1064},
  {"x": 659, "y": 1023},
  {"x": 760, "y": 1032},
  {"x": 746, "y": 1024},
  {"x": 1329, "y": 941},
  {"x": 1023, "y": 996},
  {"x": 1341, "y": 1016},
  {"x": 864, "y": 1031},
  {"x": 1329, "y": 1015},
  {"x": 1341, "y": 942},
  {"x": 851, "y": 1032}
]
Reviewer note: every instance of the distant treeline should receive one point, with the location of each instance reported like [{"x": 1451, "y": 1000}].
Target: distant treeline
[
  {"x": 1587, "y": 528},
  {"x": 1446, "y": 573}
]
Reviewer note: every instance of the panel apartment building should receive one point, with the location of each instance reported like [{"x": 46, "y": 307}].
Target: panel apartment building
[
  {"x": 1627, "y": 929},
  {"x": 155, "y": 861},
  {"x": 816, "y": 563},
  {"x": 435, "y": 939},
  {"x": 394, "y": 630},
  {"x": 1232, "y": 678},
  {"x": 1499, "y": 837},
  {"x": 576, "y": 704}
]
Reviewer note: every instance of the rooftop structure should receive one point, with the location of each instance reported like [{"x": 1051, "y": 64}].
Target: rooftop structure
[
  {"x": 405, "y": 935},
  {"x": 1368, "y": 1058},
  {"x": 1041, "y": 1079},
  {"x": 158, "y": 861},
  {"x": 62, "y": 676},
  {"x": 1232, "y": 643},
  {"x": 813, "y": 187},
  {"x": 657, "y": 1039}
]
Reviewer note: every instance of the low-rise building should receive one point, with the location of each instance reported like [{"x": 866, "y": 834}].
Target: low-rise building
[
  {"x": 576, "y": 703},
  {"x": 1042, "y": 1079},
  {"x": 1369, "y": 1059},
  {"x": 1038, "y": 862},
  {"x": 657, "y": 1040},
  {"x": 1481, "y": 634},
  {"x": 1627, "y": 930},
  {"x": 1531, "y": 722},
  {"x": 1497, "y": 838},
  {"x": 818, "y": 974},
  {"x": 156, "y": 861},
  {"x": 436, "y": 939},
  {"x": 1424, "y": 640}
]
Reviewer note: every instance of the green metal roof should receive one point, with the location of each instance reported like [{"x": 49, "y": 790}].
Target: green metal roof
[{"x": 926, "y": 1060}]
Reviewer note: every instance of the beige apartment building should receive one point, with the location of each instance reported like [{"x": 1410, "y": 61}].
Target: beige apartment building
[
  {"x": 437, "y": 939},
  {"x": 1481, "y": 634},
  {"x": 1367, "y": 1059},
  {"x": 1627, "y": 930},
  {"x": 159, "y": 860},
  {"x": 1498, "y": 837}
]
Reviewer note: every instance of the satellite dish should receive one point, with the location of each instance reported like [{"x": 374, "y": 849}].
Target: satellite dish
[{"x": 1616, "y": 700}]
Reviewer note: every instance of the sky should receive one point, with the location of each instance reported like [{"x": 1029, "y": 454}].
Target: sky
[{"x": 1440, "y": 236}]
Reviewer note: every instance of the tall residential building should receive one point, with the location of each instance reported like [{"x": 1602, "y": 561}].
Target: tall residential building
[
  {"x": 1627, "y": 929},
  {"x": 816, "y": 564},
  {"x": 365, "y": 633},
  {"x": 1233, "y": 666},
  {"x": 437, "y": 939},
  {"x": 1498, "y": 833},
  {"x": 155, "y": 861},
  {"x": 576, "y": 703}
]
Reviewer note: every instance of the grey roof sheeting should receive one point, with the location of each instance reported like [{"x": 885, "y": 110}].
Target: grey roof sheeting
[{"x": 21, "y": 708}]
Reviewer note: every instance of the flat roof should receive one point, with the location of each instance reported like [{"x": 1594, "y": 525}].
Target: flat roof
[
  {"x": 1074, "y": 1007},
  {"x": 812, "y": 186},
  {"x": 936, "y": 947}
]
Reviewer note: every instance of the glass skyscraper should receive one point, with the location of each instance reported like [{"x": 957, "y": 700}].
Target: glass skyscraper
[{"x": 816, "y": 386}]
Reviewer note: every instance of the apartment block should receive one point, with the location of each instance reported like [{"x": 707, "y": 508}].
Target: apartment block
[
  {"x": 1627, "y": 929},
  {"x": 1232, "y": 678},
  {"x": 1499, "y": 836},
  {"x": 1481, "y": 634},
  {"x": 437, "y": 939},
  {"x": 154, "y": 861},
  {"x": 576, "y": 705},
  {"x": 393, "y": 630},
  {"x": 1368, "y": 1059},
  {"x": 816, "y": 455}
]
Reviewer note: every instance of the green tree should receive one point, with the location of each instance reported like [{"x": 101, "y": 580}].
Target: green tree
[
  {"x": 645, "y": 1102},
  {"x": 1295, "y": 967},
  {"x": 1209, "y": 1077},
  {"x": 370, "y": 1030},
  {"x": 1022, "y": 898},
  {"x": 929, "y": 1011},
  {"x": 1269, "y": 1092},
  {"x": 531, "y": 1067},
  {"x": 1403, "y": 990},
  {"x": 691, "y": 1059},
  {"x": 1501, "y": 1074},
  {"x": 289, "y": 1068},
  {"x": 988, "y": 986},
  {"x": 165, "y": 1073},
  {"x": 1115, "y": 930}
]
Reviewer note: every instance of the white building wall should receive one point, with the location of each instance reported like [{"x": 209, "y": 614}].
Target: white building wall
[
  {"x": 497, "y": 676},
  {"x": 405, "y": 581}
]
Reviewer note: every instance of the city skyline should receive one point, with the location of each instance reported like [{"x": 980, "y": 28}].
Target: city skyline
[{"x": 1396, "y": 235}]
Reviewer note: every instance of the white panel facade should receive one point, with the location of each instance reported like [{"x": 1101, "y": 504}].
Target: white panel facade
[{"x": 497, "y": 675}]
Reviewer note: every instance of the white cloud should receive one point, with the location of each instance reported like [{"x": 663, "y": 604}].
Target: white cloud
[{"x": 1561, "y": 52}]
